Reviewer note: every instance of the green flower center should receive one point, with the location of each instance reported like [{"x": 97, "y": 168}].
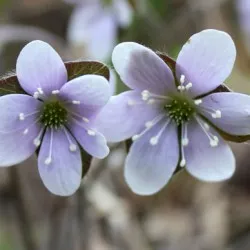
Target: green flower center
[
  {"x": 180, "y": 110},
  {"x": 54, "y": 115}
]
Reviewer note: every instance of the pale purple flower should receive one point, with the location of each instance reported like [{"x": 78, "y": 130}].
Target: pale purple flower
[
  {"x": 56, "y": 115},
  {"x": 243, "y": 11},
  {"x": 169, "y": 118},
  {"x": 94, "y": 26}
]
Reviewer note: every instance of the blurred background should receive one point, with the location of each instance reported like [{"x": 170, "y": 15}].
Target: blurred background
[{"x": 104, "y": 214}]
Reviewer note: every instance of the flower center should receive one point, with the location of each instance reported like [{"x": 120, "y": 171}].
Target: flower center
[
  {"x": 54, "y": 115},
  {"x": 180, "y": 110}
]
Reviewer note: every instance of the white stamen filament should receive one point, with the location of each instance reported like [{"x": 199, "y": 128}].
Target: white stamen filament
[
  {"x": 72, "y": 146},
  {"x": 213, "y": 140},
  {"x": 79, "y": 116},
  {"x": 206, "y": 126},
  {"x": 184, "y": 143},
  {"x": 22, "y": 116},
  {"x": 148, "y": 126},
  {"x": 55, "y": 92},
  {"x": 89, "y": 131},
  {"x": 37, "y": 140},
  {"x": 182, "y": 79},
  {"x": 76, "y": 102},
  {"x": 183, "y": 88},
  {"x": 154, "y": 140},
  {"x": 184, "y": 139},
  {"x": 146, "y": 97},
  {"x": 48, "y": 160},
  {"x": 214, "y": 113}
]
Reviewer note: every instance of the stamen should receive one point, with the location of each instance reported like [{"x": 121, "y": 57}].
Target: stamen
[
  {"x": 214, "y": 113},
  {"x": 145, "y": 95},
  {"x": 21, "y": 116},
  {"x": 40, "y": 91},
  {"x": 184, "y": 142},
  {"x": 85, "y": 119},
  {"x": 72, "y": 146},
  {"x": 91, "y": 132},
  {"x": 37, "y": 140},
  {"x": 213, "y": 140},
  {"x": 182, "y": 163},
  {"x": 182, "y": 79},
  {"x": 197, "y": 102},
  {"x": 189, "y": 86},
  {"x": 181, "y": 88},
  {"x": 36, "y": 95},
  {"x": 154, "y": 140},
  {"x": 217, "y": 114},
  {"x": 213, "y": 143},
  {"x": 48, "y": 160},
  {"x": 206, "y": 126},
  {"x": 55, "y": 92},
  {"x": 76, "y": 102},
  {"x": 148, "y": 126},
  {"x": 135, "y": 137}
]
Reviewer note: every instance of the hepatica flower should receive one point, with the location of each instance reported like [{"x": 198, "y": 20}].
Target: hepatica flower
[
  {"x": 55, "y": 115},
  {"x": 94, "y": 25},
  {"x": 173, "y": 119},
  {"x": 243, "y": 11}
]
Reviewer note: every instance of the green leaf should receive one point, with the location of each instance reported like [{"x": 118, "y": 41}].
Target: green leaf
[
  {"x": 9, "y": 83},
  {"x": 80, "y": 68}
]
